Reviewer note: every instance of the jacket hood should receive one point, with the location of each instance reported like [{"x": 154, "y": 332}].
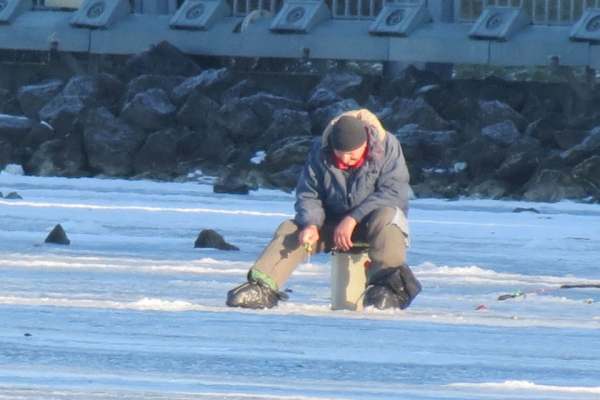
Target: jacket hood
[
  {"x": 376, "y": 135},
  {"x": 365, "y": 116}
]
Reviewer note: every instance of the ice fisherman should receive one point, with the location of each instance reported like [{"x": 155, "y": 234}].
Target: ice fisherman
[{"x": 353, "y": 188}]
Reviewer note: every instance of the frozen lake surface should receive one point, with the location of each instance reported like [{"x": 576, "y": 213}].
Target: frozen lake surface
[{"x": 130, "y": 310}]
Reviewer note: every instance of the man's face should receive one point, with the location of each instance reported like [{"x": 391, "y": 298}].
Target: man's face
[{"x": 350, "y": 158}]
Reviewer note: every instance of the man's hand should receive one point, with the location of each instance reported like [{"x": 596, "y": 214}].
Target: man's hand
[
  {"x": 309, "y": 235},
  {"x": 342, "y": 235}
]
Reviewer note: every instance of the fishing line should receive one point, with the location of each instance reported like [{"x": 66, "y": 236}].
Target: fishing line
[{"x": 520, "y": 293}]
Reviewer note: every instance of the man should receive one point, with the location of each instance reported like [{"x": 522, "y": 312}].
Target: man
[{"x": 353, "y": 187}]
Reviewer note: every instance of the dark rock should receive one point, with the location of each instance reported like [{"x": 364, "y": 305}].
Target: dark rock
[
  {"x": 589, "y": 171},
  {"x": 158, "y": 155},
  {"x": 544, "y": 98},
  {"x": 289, "y": 151},
  {"x": 346, "y": 85},
  {"x": 59, "y": 157},
  {"x": 494, "y": 112},
  {"x": 424, "y": 190},
  {"x": 83, "y": 86},
  {"x": 109, "y": 91},
  {"x": 240, "y": 121},
  {"x": 403, "y": 111},
  {"x": 239, "y": 89},
  {"x": 437, "y": 189},
  {"x": 322, "y": 97},
  {"x": 544, "y": 129},
  {"x": 13, "y": 129},
  {"x": 552, "y": 160},
  {"x": 210, "y": 143},
  {"x": 146, "y": 82},
  {"x": 374, "y": 104},
  {"x": 239, "y": 177},
  {"x": 291, "y": 87},
  {"x": 285, "y": 123},
  {"x": 212, "y": 82},
  {"x": 286, "y": 179},
  {"x": 437, "y": 96},
  {"x": 45, "y": 160},
  {"x": 208, "y": 238},
  {"x": 320, "y": 117},
  {"x": 528, "y": 209},
  {"x": 488, "y": 189},
  {"x": 58, "y": 236},
  {"x": 161, "y": 59},
  {"x": 246, "y": 119},
  {"x": 568, "y": 138},
  {"x": 61, "y": 112},
  {"x": 430, "y": 148},
  {"x": 503, "y": 133},
  {"x": 13, "y": 196},
  {"x": 9, "y": 103},
  {"x": 265, "y": 104},
  {"x": 552, "y": 186},
  {"x": 39, "y": 133},
  {"x": 407, "y": 82},
  {"x": 533, "y": 107},
  {"x": 482, "y": 156},
  {"x": 448, "y": 183},
  {"x": 33, "y": 97},
  {"x": 6, "y": 151},
  {"x": 150, "y": 110},
  {"x": 231, "y": 188},
  {"x": 584, "y": 121},
  {"x": 518, "y": 167},
  {"x": 589, "y": 147},
  {"x": 238, "y": 157},
  {"x": 459, "y": 108},
  {"x": 197, "y": 110},
  {"x": 83, "y": 90},
  {"x": 109, "y": 142},
  {"x": 494, "y": 88},
  {"x": 255, "y": 178}
]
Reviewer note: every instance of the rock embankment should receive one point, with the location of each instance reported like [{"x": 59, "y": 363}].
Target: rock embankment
[{"x": 162, "y": 115}]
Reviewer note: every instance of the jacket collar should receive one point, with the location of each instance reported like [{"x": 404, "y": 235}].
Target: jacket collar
[{"x": 339, "y": 164}]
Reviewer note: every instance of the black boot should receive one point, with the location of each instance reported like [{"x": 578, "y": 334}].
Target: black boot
[
  {"x": 383, "y": 297},
  {"x": 254, "y": 294},
  {"x": 392, "y": 288}
]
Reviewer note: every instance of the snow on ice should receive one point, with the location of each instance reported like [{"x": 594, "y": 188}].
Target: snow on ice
[{"x": 130, "y": 310}]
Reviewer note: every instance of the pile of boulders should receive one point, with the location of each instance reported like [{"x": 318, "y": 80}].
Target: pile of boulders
[{"x": 162, "y": 115}]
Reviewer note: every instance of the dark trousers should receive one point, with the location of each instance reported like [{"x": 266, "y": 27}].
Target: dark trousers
[{"x": 385, "y": 237}]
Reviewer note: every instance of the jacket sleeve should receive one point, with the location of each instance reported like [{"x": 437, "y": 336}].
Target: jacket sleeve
[
  {"x": 309, "y": 204},
  {"x": 391, "y": 188}
]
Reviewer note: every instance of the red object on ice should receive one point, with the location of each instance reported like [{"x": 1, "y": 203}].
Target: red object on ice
[
  {"x": 481, "y": 307},
  {"x": 368, "y": 265}
]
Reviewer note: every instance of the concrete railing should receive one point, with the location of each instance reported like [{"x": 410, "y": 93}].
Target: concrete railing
[
  {"x": 543, "y": 12},
  {"x": 494, "y": 32}
]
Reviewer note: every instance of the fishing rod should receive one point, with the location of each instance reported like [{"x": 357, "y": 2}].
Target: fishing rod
[{"x": 519, "y": 293}]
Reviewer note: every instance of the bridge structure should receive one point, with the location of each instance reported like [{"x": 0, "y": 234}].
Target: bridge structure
[{"x": 488, "y": 32}]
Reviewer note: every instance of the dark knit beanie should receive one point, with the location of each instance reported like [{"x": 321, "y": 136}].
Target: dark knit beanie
[{"x": 348, "y": 134}]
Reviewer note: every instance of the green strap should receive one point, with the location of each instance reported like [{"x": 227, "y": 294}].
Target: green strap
[{"x": 256, "y": 274}]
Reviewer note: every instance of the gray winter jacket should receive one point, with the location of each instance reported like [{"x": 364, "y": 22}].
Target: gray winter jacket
[{"x": 327, "y": 192}]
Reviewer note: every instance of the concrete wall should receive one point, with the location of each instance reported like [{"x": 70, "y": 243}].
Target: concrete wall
[{"x": 321, "y": 35}]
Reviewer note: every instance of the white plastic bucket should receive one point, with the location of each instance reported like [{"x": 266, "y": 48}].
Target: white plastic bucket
[{"x": 348, "y": 280}]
